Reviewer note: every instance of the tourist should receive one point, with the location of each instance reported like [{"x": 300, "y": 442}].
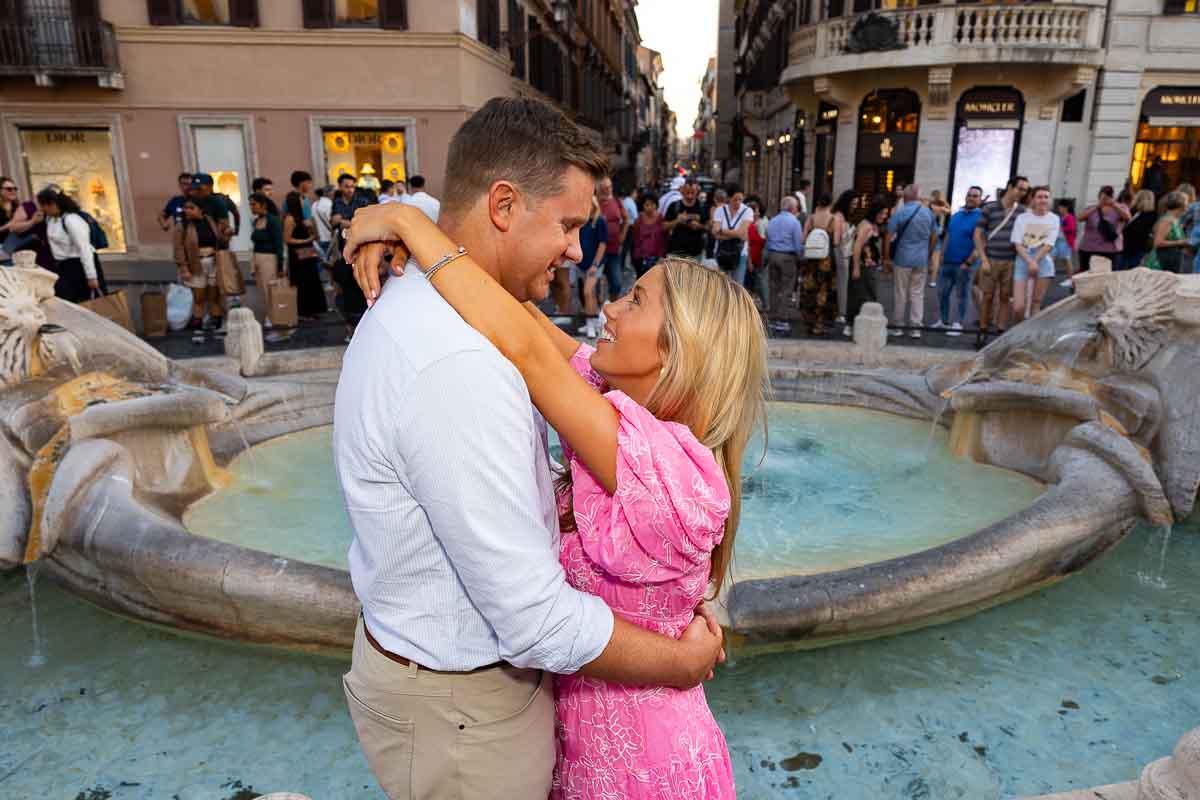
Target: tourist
[
  {"x": 671, "y": 196},
  {"x": 1102, "y": 225},
  {"x": 1191, "y": 217},
  {"x": 593, "y": 246},
  {"x": 818, "y": 287},
  {"x": 958, "y": 259},
  {"x": 685, "y": 221},
  {"x": 303, "y": 260},
  {"x": 450, "y": 495},
  {"x": 1170, "y": 244},
  {"x": 756, "y": 280},
  {"x": 70, "y": 240},
  {"x": 172, "y": 212},
  {"x": 1064, "y": 248},
  {"x": 417, "y": 196},
  {"x": 321, "y": 216},
  {"x": 265, "y": 187},
  {"x": 197, "y": 239},
  {"x": 719, "y": 198},
  {"x": 1194, "y": 241},
  {"x": 1138, "y": 233},
  {"x": 1155, "y": 178},
  {"x": 1033, "y": 237},
  {"x": 649, "y": 237},
  {"x": 26, "y": 228},
  {"x": 941, "y": 213},
  {"x": 391, "y": 191},
  {"x": 629, "y": 204},
  {"x": 346, "y": 201},
  {"x": 614, "y": 219},
  {"x": 993, "y": 245},
  {"x": 843, "y": 211},
  {"x": 266, "y": 237},
  {"x": 913, "y": 234},
  {"x": 785, "y": 248},
  {"x": 217, "y": 206},
  {"x": 729, "y": 231},
  {"x": 865, "y": 257}
]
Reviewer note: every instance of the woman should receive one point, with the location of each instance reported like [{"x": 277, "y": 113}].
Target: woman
[
  {"x": 1139, "y": 231},
  {"x": 866, "y": 255},
  {"x": 267, "y": 238},
  {"x": 729, "y": 230},
  {"x": 1102, "y": 224},
  {"x": 70, "y": 240},
  {"x": 1064, "y": 248},
  {"x": 842, "y": 211},
  {"x": 593, "y": 241},
  {"x": 304, "y": 262},
  {"x": 756, "y": 278},
  {"x": 197, "y": 240},
  {"x": 1033, "y": 237},
  {"x": 10, "y": 205},
  {"x": 818, "y": 292},
  {"x": 649, "y": 236},
  {"x": 941, "y": 214},
  {"x": 654, "y": 424},
  {"x": 1170, "y": 243}
]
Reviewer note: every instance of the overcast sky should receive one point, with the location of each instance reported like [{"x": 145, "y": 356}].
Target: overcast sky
[{"x": 685, "y": 32}]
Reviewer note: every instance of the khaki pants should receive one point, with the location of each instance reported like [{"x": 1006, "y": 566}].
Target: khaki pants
[
  {"x": 266, "y": 269},
  {"x": 437, "y": 736},
  {"x": 908, "y": 284},
  {"x": 996, "y": 281}
]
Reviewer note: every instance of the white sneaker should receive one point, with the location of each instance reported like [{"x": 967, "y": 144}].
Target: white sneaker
[
  {"x": 849, "y": 334},
  {"x": 933, "y": 284},
  {"x": 1066, "y": 284},
  {"x": 840, "y": 320},
  {"x": 914, "y": 334},
  {"x": 955, "y": 329},
  {"x": 938, "y": 325},
  {"x": 894, "y": 332}
]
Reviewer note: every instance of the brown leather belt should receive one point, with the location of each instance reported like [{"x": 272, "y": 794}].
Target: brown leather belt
[{"x": 406, "y": 662}]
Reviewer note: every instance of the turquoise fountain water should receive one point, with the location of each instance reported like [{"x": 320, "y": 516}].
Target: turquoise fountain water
[{"x": 1075, "y": 685}]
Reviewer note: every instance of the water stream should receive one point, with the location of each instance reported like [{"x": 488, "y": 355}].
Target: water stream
[{"x": 37, "y": 653}]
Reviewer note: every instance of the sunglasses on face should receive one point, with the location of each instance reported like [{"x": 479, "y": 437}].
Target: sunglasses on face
[{"x": 8, "y": 188}]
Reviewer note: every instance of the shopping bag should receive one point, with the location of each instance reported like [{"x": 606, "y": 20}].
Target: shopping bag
[
  {"x": 113, "y": 307},
  {"x": 230, "y": 279},
  {"x": 154, "y": 314},
  {"x": 179, "y": 306},
  {"x": 283, "y": 309}
]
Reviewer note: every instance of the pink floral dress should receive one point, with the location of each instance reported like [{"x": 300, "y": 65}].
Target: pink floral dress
[{"x": 646, "y": 551}]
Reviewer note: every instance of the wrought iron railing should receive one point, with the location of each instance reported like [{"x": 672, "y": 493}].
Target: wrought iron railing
[{"x": 57, "y": 45}]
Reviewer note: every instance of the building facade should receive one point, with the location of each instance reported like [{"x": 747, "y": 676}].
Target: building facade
[
  {"x": 112, "y": 98},
  {"x": 869, "y": 95}
]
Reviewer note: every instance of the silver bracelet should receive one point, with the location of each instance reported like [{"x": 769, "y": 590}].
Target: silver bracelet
[{"x": 444, "y": 260}]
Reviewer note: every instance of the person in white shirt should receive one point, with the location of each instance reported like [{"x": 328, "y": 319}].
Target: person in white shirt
[
  {"x": 446, "y": 476},
  {"x": 322, "y": 210},
  {"x": 391, "y": 191},
  {"x": 418, "y": 197},
  {"x": 675, "y": 194},
  {"x": 70, "y": 240},
  {"x": 1033, "y": 235}
]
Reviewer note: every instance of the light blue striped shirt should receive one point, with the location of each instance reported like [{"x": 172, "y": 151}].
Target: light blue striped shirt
[{"x": 446, "y": 477}]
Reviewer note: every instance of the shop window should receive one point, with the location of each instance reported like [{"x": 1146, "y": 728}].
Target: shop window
[
  {"x": 890, "y": 112},
  {"x": 391, "y": 14},
  {"x": 80, "y": 160},
  {"x": 206, "y": 12},
  {"x": 368, "y": 155},
  {"x": 1072, "y": 109},
  {"x": 1178, "y": 147},
  {"x": 356, "y": 12}
]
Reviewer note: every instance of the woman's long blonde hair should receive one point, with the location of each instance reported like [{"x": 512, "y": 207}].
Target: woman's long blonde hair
[{"x": 714, "y": 377}]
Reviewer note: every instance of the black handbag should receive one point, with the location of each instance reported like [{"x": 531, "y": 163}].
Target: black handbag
[
  {"x": 1108, "y": 231},
  {"x": 729, "y": 251}
]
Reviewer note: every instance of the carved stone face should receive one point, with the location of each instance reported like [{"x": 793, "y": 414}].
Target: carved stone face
[
  {"x": 24, "y": 352},
  {"x": 1137, "y": 317}
]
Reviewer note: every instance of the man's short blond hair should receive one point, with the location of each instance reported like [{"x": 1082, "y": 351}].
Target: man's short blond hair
[{"x": 521, "y": 140}]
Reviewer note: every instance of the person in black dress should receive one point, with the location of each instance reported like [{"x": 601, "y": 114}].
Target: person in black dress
[{"x": 303, "y": 260}]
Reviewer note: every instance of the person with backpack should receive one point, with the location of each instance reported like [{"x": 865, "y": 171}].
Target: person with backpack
[
  {"x": 843, "y": 210},
  {"x": 913, "y": 234},
  {"x": 70, "y": 237},
  {"x": 818, "y": 290}
]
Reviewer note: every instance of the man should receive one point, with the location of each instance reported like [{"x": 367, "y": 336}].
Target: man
[
  {"x": 801, "y": 196},
  {"x": 1155, "y": 179},
  {"x": 445, "y": 472},
  {"x": 685, "y": 223},
  {"x": 958, "y": 257},
  {"x": 421, "y": 199},
  {"x": 322, "y": 218},
  {"x": 347, "y": 200},
  {"x": 614, "y": 218},
  {"x": 913, "y": 233},
  {"x": 785, "y": 248},
  {"x": 993, "y": 243},
  {"x": 172, "y": 213},
  {"x": 267, "y": 187},
  {"x": 671, "y": 196},
  {"x": 224, "y": 213}
]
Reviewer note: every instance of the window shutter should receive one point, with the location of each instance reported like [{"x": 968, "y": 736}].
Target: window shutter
[
  {"x": 487, "y": 20},
  {"x": 393, "y": 14},
  {"x": 317, "y": 13},
  {"x": 85, "y": 9},
  {"x": 164, "y": 12},
  {"x": 243, "y": 13},
  {"x": 516, "y": 27}
]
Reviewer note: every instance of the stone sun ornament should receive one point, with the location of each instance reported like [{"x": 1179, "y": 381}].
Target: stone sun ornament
[{"x": 1138, "y": 313}]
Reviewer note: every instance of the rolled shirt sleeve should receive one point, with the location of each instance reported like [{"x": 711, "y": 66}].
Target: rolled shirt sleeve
[
  {"x": 81, "y": 241},
  {"x": 469, "y": 422}
]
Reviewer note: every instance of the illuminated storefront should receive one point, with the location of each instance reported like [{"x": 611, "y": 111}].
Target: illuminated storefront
[
  {"x": 825, "y": 148},
  {"x": 886, "y": 158},
  {"x": 987, "y": 138},
  {"x": 369, "y": 155},
  {"x": 1169, "y": 129},
  {"x": 80, "y": 161}
]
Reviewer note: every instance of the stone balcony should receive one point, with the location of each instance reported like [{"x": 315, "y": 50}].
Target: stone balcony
[{"x": 948, "y": 35}]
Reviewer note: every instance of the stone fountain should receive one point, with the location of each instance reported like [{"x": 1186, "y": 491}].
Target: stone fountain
[{"x": 107, "y": 443}]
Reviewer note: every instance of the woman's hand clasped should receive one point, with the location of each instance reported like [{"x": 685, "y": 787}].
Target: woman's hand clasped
[{"x": 375, "y": 231}]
